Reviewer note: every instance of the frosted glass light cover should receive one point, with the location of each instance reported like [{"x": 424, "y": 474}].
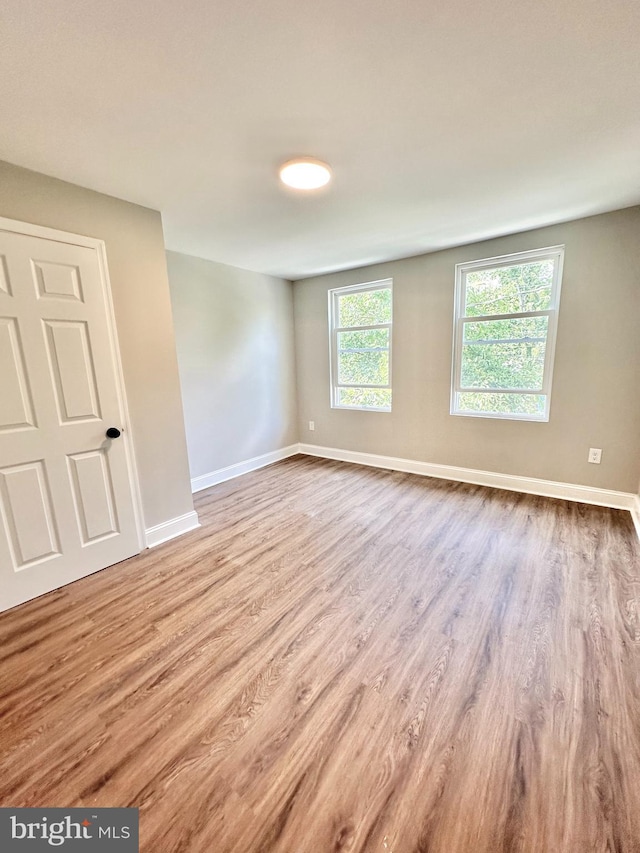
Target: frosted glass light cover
[{"x": 305, "y": 173}]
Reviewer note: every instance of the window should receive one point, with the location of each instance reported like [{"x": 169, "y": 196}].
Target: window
[
  {"x": 360, "y": 320},
  {"x": 506, "y": 314}
]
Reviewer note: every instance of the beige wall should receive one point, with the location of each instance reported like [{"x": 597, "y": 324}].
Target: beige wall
[
  {"x": 595, "y": 401},
  {"x": 137, "y": 268},
  {"x": 234, "y": 334}
]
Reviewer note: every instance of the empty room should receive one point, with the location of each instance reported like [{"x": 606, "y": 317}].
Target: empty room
[{"x": 320, "y": 426}]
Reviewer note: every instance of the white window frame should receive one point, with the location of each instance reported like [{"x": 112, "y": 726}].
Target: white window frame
[
  {"x": 554, "y": 253},
  {"x": 334, "y": 329}
]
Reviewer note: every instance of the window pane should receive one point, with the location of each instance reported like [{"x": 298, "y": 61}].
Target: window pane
[
  {"x": 364, "y": 341},
  {"x": 522, "y": 329},
  {"x": 504, "y": 353},
  {"x": 506, "y": 404},
  {"x": 363, "y": 366},
  {"x": 365, "y": 308},
  {"x": 507, "y": 290},
  {"x": 364, "y": 398}
]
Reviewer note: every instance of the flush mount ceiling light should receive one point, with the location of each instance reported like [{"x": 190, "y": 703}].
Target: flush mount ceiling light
[{"x": 305, "y": 173}]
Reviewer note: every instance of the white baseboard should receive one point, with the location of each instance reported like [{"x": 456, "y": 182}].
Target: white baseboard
[
  {"x": 635, "y": 514},
  {"x": 204, "y": 481},
  {"x": 170, "y": 529},
  {"x": 529, "y": 485}
]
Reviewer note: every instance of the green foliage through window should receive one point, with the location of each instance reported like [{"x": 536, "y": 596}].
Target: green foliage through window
[
  {"x": 364, "y": 398},
  {"x": 506, "y": 354},
  {"x": 364, "y": 308},
  {"x": 361, "y": 356},
  {"x": 509, "y": 290},
  {"x": 504, "y": 404}
]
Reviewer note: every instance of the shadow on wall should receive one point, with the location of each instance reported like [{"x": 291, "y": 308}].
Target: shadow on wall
[
  {"x": 234, "y": 337},
  {"x": 249, "y": 388}
]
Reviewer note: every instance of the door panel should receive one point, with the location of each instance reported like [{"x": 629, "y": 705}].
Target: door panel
[
  {"x": 16, "y": 407},
  {"x": 71, "y": 363},
  {"x": 4, "y": 276},
  {"x": 28, "y": 514},
  {"x": 93, "y": 495},
  {"x": 67, "y": 498},
  {"x": 57, "y": 281}
]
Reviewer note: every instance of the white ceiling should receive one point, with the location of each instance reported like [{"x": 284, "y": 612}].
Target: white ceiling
[{"x": 445, "y": 121}]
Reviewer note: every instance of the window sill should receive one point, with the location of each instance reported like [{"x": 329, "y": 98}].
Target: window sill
[
  {"x": 361, "y": 409},
  {"x": 502, "y": 416}
]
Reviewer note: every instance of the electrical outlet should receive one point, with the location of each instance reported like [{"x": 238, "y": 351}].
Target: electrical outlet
[
  {"x": 312, "y": 425},
  {"x": 595, "y": 455}
]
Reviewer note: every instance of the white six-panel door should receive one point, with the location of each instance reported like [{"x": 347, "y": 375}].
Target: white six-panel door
[{"x": 68, "y": 497}]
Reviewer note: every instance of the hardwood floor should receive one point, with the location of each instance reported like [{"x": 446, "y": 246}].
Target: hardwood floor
[{"x": 343, "y": 659}]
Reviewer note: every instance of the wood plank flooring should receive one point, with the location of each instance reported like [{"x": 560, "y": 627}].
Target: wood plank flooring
[{"x": 343, "y": 659}]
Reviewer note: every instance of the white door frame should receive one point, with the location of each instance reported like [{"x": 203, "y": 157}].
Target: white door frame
[{"x": 46, "y": 233}]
